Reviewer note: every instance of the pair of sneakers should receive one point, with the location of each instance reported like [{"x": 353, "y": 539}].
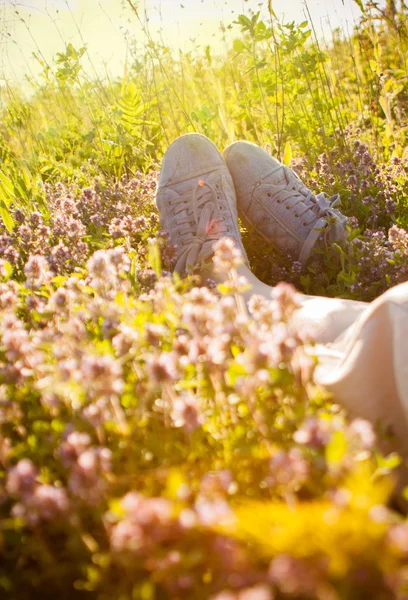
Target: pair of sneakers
[{"x": 202, "y": 192}]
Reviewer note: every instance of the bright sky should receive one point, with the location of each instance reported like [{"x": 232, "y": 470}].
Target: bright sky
[{"x": 104, "y": 25}]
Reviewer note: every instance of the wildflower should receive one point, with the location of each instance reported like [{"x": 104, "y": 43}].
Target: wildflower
[
  {"x": 258, "y": 592},
  {"x": 363, "y": 432},
  {"x": 288, "y": 469},
  {"x": 59, "y": 301},
  {"x": 87, "y": 474},
  {"x": 126, "y": 536},
  {"x": 285, "y": 302},
  {"x": 147, "y": 277},
  {"x": 131, "y": 502},
  {"x": 141, "y": 224},
  {"x": 162, "y": 367},
  {"x": 238, "y": 285},
  {"x": 314, "y": 432},
  {"x": 36, "y": 219},
  {"x": 217, "y": 482},
  {"x": 188, "y": 519},
  {"x": 60, "y": 256},
  {"x": 8, "y": 295},
  {"x": 256, "y": 305},
  {"x": 217, "y": 349},
  {"x": 185, "y": 413},
  {"x": 19, "y": 216},
  {"x": 201, "y": 296},
  {"x": 292, "y": 576},
  {"x": 101, "y": 270},
  {"x": 120, "y": 259},
  {"x": 147, "y": 520},
  {"x": 21, "y": 479},
  {"x": 126, "y": 339},
  {"x": 47, "y": 503},
  {"x": 226, "y": 255},
  {"x": 101, "y": 375},
  {"x": 75, "y": 444},
  {"x": 98, "y": 412},
  {"x": 214, "y": 511},
  {"x": 21, "y": 352},
  {"x": 398, "y": 538},
  {"x": 398, "y": 238},
  {"x": 37, "y": 272}
]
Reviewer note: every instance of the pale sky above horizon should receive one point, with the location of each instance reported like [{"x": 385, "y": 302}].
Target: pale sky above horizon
[{"x": 47, "y": 25}]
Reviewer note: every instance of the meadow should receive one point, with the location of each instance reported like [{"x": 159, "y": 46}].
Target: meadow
[{"x": 155, "y": 440}]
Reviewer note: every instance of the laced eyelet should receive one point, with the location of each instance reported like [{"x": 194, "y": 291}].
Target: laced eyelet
[
  {"x": 297, "y": 216},
  {"x": 288, "y": 207},
  {"x": 304, "y": 224},
  {"x": 217, "y": 187},
  {"x": 268, "y": 194},
  {"x": 218, "y": 196},
  {"x": 219, "y": 207}
]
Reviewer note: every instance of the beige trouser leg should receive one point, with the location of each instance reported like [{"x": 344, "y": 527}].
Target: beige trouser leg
[
  {"x": 324, "y": 318},
  {"x": 363, "y": 353}
]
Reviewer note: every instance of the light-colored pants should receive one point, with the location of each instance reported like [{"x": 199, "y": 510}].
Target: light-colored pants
[
  {"x": 366, "y": 366},
  {"x": 363, "y": 355}
]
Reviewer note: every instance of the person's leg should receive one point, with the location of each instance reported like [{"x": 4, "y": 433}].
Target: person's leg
[
  {"x": 324, "y": 318},
  {"x": 367, "y": 371},
  {"x": 197, "y": 203},
  {"x": 364, "y": 358},
  {"x": 272, "y": 200},
  {"x": 362, "y": 355}
]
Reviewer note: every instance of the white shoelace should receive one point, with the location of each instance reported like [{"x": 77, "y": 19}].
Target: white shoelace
[{"x": 202, "y": 229}]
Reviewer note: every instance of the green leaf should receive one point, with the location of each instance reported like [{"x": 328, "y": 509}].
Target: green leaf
[
  {"x": 287, "y": 156},
  {"x": 388, "y": 463},
  {"x": 374, "y": 66},
  {"x": 235, "y": 370},
  {"x": 336, "y": 449},
  {"x": 239, "y": 46},
  {"x": 8, "y": 268},
  {"x": 359, "y": 4},
  {"x": 255, "y": 18},
  {"x": 243, "y": 20},
  {"x": 6, "y": 216},
  {"x": 206, "y": 111},
  {"x": 154, "y": 257},
  {"x": 6, "y": 185}
]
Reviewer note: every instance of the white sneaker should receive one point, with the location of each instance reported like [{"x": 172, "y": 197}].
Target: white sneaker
[
  {"x": 196, "y": 200},
  {"x": 272, "y": 199}
]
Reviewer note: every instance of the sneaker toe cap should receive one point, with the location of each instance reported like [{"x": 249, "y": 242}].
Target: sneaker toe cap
[
  {"x": 189, "y": 156},
  {"x": 248, "y": 165}
]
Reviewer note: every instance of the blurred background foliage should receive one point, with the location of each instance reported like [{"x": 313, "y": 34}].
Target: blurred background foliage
[{"x": 278, "y": 84}]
